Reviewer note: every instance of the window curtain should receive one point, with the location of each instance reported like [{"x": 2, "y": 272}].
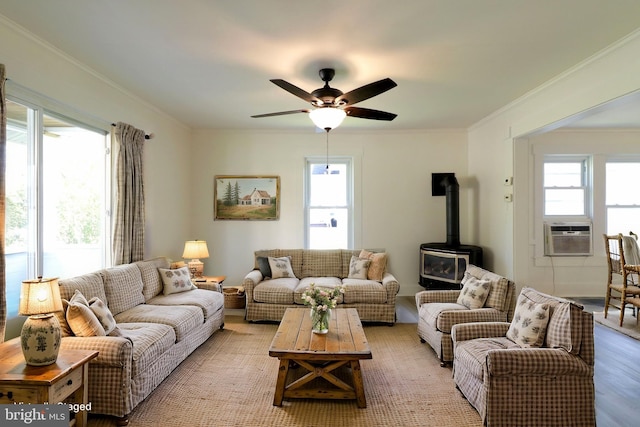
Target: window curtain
[
  {"x": 128, "y": 229},
  {"x": 3, "y": 170}
]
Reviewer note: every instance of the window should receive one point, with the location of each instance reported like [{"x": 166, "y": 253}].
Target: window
[
  {"x": 57, "y": 195},
  {"x": 622, "y": 197},
  {"x": 328, "y": 204},
  {"x": 565, "y": 186}
]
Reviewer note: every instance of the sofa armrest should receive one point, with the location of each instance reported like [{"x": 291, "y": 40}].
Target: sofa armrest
[
  {"x": 391, "y": 286},
  {"x": 470, "y": 331},
  {"x": 425, "y": 297},
  {"x": 536, "y": 361},
  {"x": 112, "y": 351}
]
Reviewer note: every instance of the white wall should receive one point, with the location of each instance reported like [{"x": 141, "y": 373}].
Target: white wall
[
  {"x": 612, "y": 73},
  {"x": 392, "y": 192}
]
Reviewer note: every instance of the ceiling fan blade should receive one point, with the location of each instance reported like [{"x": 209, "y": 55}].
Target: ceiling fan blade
[
  {"x": 280, "y": 113},
  {"x": 366, "y": 92},
  {"x": 300, "y": 93},
  {"x": 367, "y": 113}
]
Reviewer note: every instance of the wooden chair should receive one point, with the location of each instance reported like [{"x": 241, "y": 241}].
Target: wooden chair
[
  {"x": 633, "y": 300},
  {"x": 621, "y": 282}
]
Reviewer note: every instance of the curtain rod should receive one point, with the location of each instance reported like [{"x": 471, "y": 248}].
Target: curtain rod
[{"x": 149, "y": 136}]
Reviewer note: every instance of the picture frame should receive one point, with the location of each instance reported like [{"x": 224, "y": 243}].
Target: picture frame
[{"x": 246, "y": 197}]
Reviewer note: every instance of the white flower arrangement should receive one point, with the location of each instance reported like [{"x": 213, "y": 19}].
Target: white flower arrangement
[{"x": 321, "y": 299}]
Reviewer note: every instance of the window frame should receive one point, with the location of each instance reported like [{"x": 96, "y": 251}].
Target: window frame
[
  {"x": 586, "y": 186},
  {"x": 607, "y": 206},
  {"x": 315, "y": 160}
]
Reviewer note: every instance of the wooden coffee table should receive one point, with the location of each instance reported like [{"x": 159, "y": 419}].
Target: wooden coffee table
[{"x": 314, "y": 366}]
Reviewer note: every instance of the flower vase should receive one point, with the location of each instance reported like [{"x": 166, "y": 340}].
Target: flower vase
[{"x": 320, "y": 321}]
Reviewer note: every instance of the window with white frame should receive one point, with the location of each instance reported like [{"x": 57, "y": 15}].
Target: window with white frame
[
  {"x": 328, "y": 203},
  {"x": 622, "y": 196},
  {"x": 57, "y": 197},
  {"x": 565, "y": 186}
]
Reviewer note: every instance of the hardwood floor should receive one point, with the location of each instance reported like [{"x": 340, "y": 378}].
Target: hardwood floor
[{"x": 617, "y": 367}]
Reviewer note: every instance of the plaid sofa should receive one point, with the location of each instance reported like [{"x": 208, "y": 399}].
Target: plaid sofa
[
  {"x": 438, "y": 311},
  {"x": 267, "y": 299},
  {"x": 156, "y": 332},
  {"x": 509, "y": 385}
]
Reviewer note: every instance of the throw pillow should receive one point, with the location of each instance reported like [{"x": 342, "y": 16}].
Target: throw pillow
[
  {"x": 281, "y": 267},
  {"x": 178, "y": 280},
  {"x": 378, "y": 264},
  {"x": 358, "y": 268},
  {"x": 103, "y": 314},
  {"x": 529, "y": 324},
  {"x": 474, "y": 292},
  {"x": 83, "y": 321},
  {"x": 65, "y": 328},
  {"x": 263, "y": 266}
]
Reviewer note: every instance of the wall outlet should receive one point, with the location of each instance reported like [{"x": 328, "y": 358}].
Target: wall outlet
[
  {"x": 508, "y": 180},
  {"x": 508, "y": 197}
]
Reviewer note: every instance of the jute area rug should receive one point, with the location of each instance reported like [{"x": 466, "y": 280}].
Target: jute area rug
[
  {"x": 629, "y": 326},
  {"x": 230, "y": 380}
]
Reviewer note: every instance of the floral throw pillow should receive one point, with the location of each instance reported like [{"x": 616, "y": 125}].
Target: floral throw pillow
[
  {"x": 358, "y": 268},
  {"x": 529, "y": 325},
  {"x": 281, "y": 267},
  {"x": 103, "y": 314},
  {"x": 82, "y": 321},
  {"x": 474, "y": 292},
  {"x": 174, "y": 281}
]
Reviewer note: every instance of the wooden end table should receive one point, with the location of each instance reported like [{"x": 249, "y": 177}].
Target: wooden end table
[
  {"x": 212, "y": 283},
  {"x": 330, "y": 363},
  {"x": 63, "y": 381}
]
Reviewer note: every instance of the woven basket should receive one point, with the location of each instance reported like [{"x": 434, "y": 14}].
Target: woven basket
[{"x": 233, "y": 299}]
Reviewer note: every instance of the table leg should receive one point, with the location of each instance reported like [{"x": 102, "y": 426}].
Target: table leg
[
  {"x": 358, "y": 385},
  {"x": 283, "y": 371}
]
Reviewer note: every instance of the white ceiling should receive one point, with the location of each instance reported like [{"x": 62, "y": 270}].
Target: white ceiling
[{"x": 208, "y": 62}]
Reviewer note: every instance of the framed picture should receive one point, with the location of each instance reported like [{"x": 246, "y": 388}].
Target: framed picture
[{"x": 246, "y": 197}]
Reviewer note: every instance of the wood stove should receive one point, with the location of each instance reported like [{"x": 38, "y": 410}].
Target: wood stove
[{"x": 442, "y": 265}]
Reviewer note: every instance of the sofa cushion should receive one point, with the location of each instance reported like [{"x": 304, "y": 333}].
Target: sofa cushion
[
  {"x": 472, "y": 354},
  {"x": 529, "y": 324},
  {"x": 440, "y": 315},
  {"x": 175, "y": 281},
  {"x": 363, "y": 291},
  {"x": 209, "y": 301},
  {"x": 275, "y": 291},
  {"x": 358, "y": 268},
  {"x": 151, "y": 282},
  {"x": 322, "y": 262},
  {"x": 90, "y": 285},
  {"x": 103, "y": 314},
  {"x": 321, "y": 282},
  {"x": 474, "y": 292},
  {"x": 123, "y": 287},
  {"x": 182, "y": 318},
  {"x": 281, "y": 267},
  {"x": 150, "y": 341},
  {"x": 378, "y": 264}
]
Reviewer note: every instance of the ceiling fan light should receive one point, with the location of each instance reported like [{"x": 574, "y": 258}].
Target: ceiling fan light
[{"x": 327, "y": 118}]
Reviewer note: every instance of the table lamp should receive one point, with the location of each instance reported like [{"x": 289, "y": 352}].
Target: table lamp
[
  {"x": 195, "y": 249},
  {"x": 40, "y": 336}
]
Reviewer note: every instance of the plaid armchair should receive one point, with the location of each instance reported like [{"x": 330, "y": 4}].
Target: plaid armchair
[
  {"x": 438, "y": 310},
  {"x": 513, "y": 384}
]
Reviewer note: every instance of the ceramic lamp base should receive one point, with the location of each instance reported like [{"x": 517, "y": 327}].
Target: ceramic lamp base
[
  {"x": 40, "y": 340},
  {"x": 196, "y": 267}
]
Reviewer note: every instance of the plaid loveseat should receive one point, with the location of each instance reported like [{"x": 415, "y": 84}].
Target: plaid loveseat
[
  {"x": 155, "y": 332},
  {"x": 438, "y": 311},
  {"x": 513, "y": 384},
  {"x": 268, "y": 298}
]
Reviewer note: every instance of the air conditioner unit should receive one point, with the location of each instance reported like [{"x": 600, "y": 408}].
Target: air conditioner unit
[{"x": 567, "y": 239}]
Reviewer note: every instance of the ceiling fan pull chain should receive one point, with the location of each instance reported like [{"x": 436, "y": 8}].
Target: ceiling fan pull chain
[{"x": 327, "y": 169}]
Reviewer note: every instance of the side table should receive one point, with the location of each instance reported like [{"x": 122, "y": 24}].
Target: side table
[
  {"x": 212, "y": 283},
  {"x": 63, "y": 381}
]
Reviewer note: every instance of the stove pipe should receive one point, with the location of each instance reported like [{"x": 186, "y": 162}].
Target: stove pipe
[{"x": 452, "y": 192}]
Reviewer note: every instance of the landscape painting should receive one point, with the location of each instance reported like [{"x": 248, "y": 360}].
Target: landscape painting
[{"x": 246, "y": 197}]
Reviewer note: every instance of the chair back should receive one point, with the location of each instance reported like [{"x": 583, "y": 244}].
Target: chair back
[{"x": 615, "y": 255}]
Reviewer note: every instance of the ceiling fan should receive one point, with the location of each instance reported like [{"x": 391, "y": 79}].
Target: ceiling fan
[{"x": 332, "y": 105}]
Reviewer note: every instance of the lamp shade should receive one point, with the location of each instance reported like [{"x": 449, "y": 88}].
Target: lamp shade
[
  {"x": 327, "y": 118},
  {"x": 195, "y": 249},
  {"x": 39, "y": 296}
]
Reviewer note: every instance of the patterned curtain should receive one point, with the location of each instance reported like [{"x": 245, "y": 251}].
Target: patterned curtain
[
  {"x": 3, "y": 169},
  {"x": 128, "y": 234}
]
